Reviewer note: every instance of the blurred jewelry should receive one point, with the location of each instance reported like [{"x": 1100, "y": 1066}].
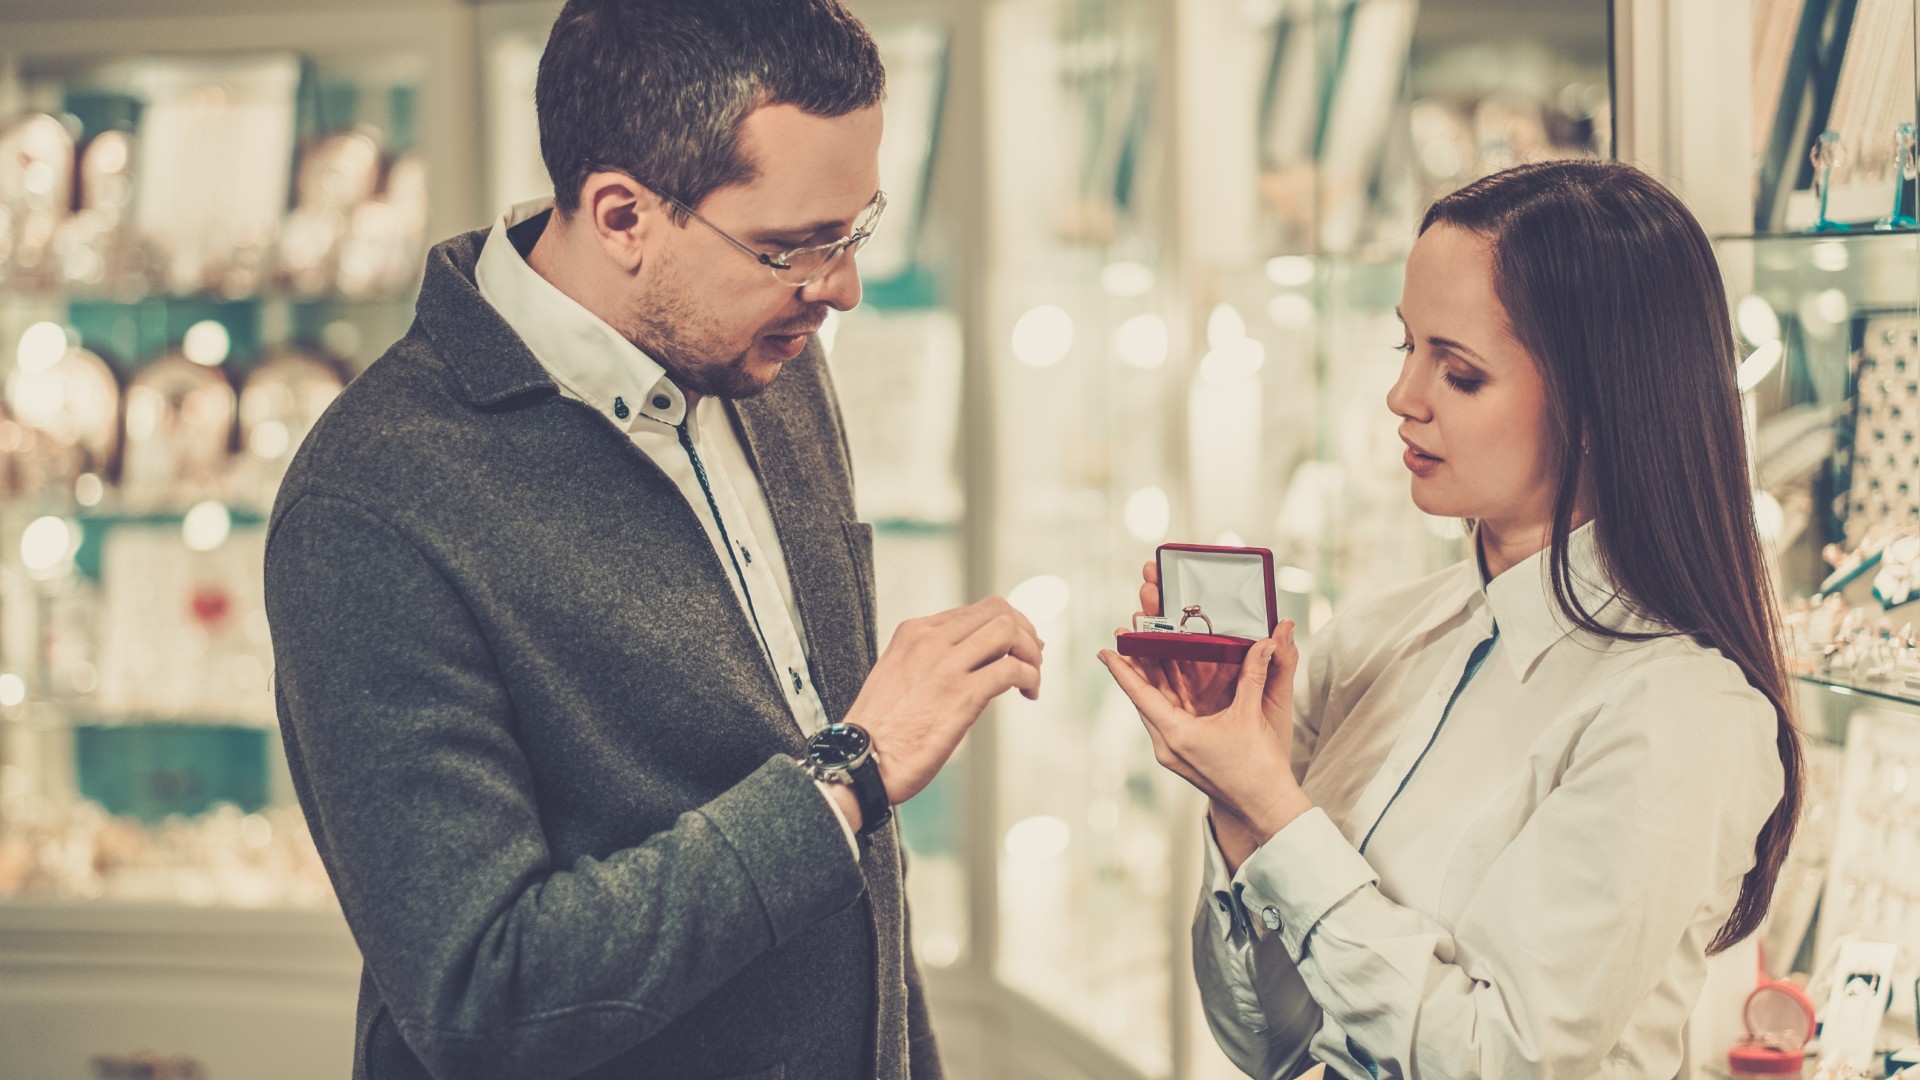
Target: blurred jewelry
[
  {"x": 36, "y": 184},
  {"x": 281, "y": 401},
  {"x": 1829, "y": 156},
  {"x": 1898, "y": 581},
  {"x": 98, "y": 246},
  {"x": 68, "y": 401},
  {"x": 1906, "y": 168},
  {"x": 1883, "y": 462},
  {"x": 1192, "y": 611},
  {"x": 385, "y": 239},
  {"x": 179, "y": 425},
  {"x": 337, "y": 174}
]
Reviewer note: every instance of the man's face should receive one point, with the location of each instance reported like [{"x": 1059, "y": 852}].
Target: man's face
[{"x": 710, "y": 314}]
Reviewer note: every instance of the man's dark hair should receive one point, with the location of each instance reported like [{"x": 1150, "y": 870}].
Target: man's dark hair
[{"x": 657, "y": 89}]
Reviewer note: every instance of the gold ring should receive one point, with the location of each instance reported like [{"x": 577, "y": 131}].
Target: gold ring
[{"x": 1192, "y": 611}]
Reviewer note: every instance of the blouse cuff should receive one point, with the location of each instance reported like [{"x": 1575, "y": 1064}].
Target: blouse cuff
[
  {"x": 1299, "y": 875},
  {"x": 1220, "y": 889}
]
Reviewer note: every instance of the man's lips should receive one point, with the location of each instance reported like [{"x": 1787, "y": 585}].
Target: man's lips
[{"x": 800, "y": 333}]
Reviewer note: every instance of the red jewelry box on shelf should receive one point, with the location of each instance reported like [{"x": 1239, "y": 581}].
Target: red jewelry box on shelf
[{"x": 1217, "y": 601}]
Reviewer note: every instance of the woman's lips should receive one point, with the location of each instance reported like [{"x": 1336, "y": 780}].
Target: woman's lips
[{"x": 1419, "y": 462}]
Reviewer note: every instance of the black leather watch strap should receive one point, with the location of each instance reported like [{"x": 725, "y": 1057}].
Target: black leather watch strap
[{"x": 871, "y": 793}]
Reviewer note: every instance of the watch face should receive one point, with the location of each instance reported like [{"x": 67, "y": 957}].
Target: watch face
[{"x": 837, "y": 746}]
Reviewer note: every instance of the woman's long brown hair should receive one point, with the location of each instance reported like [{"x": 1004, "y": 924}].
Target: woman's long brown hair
[{"x": 1612, "y": 286}]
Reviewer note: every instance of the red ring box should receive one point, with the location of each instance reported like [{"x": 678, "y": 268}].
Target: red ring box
[{"x": 1232, "y": 585}]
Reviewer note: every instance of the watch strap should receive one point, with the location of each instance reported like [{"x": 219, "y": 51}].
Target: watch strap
[{"x": 871, "y": 793}]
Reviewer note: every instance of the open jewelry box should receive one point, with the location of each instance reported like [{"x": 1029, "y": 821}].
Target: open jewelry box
[{"x": 1217, "y": 602}]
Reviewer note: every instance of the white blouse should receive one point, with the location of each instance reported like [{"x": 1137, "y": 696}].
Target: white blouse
[{"x": 1524, "y": 890}]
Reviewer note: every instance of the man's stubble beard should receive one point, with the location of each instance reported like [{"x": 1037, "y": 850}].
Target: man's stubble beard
[{"x": 668, "y": 329}]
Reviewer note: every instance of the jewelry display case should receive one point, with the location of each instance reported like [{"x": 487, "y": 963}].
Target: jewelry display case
[
  {"x": 1822, "y": 261},
  {"x": 209, "y": 221}
]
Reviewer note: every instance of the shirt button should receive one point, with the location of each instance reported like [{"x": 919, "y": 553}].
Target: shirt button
[
  {"x": 620, "y": 408},
  {"x": 1271, "y": 916},
  {"x": 662, "y": 401}
]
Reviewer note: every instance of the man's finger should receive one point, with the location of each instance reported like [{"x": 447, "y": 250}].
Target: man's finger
[
  {"x": 961, "y": 623},
  {"x": 1007, "y": 673},
  {"x": 1002, "y": 636}
]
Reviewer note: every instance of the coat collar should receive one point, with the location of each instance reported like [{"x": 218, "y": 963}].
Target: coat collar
[
  {"x": 488, "y": 362},
  {"x": 579, "y": 350}
]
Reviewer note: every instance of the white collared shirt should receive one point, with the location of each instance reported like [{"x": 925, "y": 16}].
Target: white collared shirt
[
  {"x": 1539, "y": 892},
  {"x": 593, "y": 363}
]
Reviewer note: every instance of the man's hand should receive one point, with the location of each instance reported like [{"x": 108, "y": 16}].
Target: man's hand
[{"x": 933, "y": 681}]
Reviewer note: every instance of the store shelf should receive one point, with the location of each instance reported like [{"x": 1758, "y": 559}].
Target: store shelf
[
  {"x": 236, "y": 992},
  {"x": 1865, "y": 232},
  {"x": 1908, "y": 696}
]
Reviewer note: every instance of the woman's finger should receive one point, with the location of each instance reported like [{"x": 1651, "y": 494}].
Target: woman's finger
[
  {"x": 1283, "y": 667},
  {"x": 1150, "y": 588},
  {"x": 1152, "y": 703},
  {"x": 1149, "y": 599}
]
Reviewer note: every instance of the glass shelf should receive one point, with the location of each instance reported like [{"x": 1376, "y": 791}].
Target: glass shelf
[
  {"x": 1908, "y": 696},
  {"x": 1859, "y": 233}
]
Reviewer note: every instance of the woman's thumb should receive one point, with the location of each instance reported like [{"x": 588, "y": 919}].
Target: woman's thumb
[{"x": 1253, "y": 672}]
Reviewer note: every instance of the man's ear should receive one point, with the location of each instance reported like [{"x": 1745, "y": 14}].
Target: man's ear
[{"x": 619, "y": 213}]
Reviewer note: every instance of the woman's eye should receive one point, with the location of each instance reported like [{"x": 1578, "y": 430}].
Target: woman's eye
[
  {"x": 1404, "y": 347},
  {"x": 1465, "y": 386}
]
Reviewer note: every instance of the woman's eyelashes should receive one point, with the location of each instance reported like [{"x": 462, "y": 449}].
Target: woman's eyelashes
[{"x": 1464, "y": 384}]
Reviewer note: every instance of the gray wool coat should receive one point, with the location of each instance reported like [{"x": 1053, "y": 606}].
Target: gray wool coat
[{"x": 542, "y": 754}]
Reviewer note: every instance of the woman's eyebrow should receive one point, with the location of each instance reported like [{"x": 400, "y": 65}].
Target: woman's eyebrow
[{"x": 1446, "y": 343}]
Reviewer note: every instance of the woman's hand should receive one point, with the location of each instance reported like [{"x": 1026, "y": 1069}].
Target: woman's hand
[
  {"x": 1205, "y": 688},
  {"x": 1238, "y": 755},
  {"x": 1199, "y": 688}
]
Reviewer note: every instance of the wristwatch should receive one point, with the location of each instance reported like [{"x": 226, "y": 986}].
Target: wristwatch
[{"x": 843, "y": 754}]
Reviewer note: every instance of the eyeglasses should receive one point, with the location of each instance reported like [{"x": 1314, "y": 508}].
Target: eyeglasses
[{"x": 801, "y": 266}]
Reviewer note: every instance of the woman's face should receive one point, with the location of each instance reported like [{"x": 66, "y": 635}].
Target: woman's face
[{"x": 1472, "y": 406}]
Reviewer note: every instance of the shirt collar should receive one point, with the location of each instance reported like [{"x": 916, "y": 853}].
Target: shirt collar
[
  {"x": 1528, "y": 615},
  {"x": 592, "y": 360}
]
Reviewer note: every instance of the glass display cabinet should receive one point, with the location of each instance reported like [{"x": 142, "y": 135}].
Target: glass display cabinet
[
  {"x": 208, "y": 223},
  {"x": 1824, "y": 279}
]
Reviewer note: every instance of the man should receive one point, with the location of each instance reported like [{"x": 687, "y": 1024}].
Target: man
[{"x": 567, "y": 585}]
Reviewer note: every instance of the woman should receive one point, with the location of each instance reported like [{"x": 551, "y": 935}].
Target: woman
[{"x": 1518, "y": 803}]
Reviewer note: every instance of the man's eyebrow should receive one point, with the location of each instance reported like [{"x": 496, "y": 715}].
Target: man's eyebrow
[
  {"x": 815, "y": 229},
  {"x": 1447, "y": 343},
  {"x": 838, "y": 225}
]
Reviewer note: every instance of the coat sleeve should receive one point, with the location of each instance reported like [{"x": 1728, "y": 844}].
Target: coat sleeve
[{"x": 492, "y": 960}]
